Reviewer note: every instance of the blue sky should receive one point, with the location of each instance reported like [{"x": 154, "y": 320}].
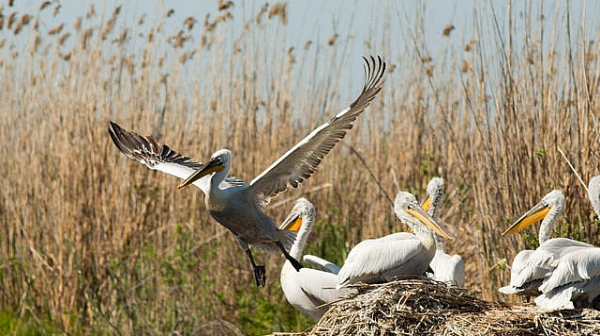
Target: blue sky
[{"x": 383, "y": 23}]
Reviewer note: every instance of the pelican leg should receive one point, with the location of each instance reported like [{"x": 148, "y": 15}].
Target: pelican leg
[
  {"x": 297, "y": 265},
  {"x": 259, "y": 270}
]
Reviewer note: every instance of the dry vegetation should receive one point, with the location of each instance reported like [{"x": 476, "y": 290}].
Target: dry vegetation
[
  {"x": 425, "y": 307},
  {"x": 95, "y": 243}
]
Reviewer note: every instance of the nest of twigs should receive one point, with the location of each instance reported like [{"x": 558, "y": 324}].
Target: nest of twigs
[{"x": 424, "y": 307}]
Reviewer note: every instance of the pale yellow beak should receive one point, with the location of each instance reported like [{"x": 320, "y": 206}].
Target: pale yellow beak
[
  {"x": 427, "y": 203},
  {"x": 293, "y": 222},
  {"x": 537, "y": 213},
  {"x": 213, "y": 166},
  {"x": 420, "y": 214}
]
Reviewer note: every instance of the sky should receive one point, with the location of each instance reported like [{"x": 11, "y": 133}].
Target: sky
[{"x": 357, "y": 21}]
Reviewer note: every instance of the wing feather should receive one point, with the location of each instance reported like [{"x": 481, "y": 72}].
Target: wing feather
[
  {"x": 581, "y": 265},
  {"x": 321, "y": 264},
  {"x": 160, "y": 157},
  {"x": 371, "y": 258},
  {"x": 319, "y": 286},
  {"x": 301, "y": 161}
]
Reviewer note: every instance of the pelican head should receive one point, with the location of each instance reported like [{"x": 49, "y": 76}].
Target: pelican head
[
  {"x": 594, "y": 193},
  {"x": 553, "y": 201},
  {"x": 301, "y": 219},
  {"x": 435, "y": 192},
  {"x": 220, "y": 160},
  {"x": 302, "y": 209},
  {"x": 408, "y": 210}
]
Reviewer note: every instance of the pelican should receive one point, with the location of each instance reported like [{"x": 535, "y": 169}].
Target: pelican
[
  {"x": 531, "y": 267},
  {"x": 396, "y": 256},
  {"x": 576, "y": 278},
  {"x": 446, "y": 268},
  {"x": 239, "y": 206},
  {"x": 308, "y": 290}
]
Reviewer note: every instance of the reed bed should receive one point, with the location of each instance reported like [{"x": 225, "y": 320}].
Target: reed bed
[{"x": 95, "y": 243}]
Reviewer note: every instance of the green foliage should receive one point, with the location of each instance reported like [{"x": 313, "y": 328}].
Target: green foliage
[
  {"x": 258, "y": 315},
  {"x": 331, "y": 242},
  {"x": 428, "y": 167},
  {"x": 540, "y": 152},
  {"x": 12, "y": 324},
  {"x": 531, "y": 239}
]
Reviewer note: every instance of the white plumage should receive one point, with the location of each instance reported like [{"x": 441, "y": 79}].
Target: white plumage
[
  {"x": 446, "y": 268},
  {"x": 308, "y": 290},
  {"x": 575, "y": 282},
  {"x": 321, "y": 264},
  {"x": 396, "y": 256},
  {"x": 531, "y": 267}
]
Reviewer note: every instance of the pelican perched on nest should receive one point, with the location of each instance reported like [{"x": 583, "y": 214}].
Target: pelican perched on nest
[
  {"x": 239, "y": 206},
  {"x": 576, "y": 278},
  {"x": 397, "y": 256},
  {"x": 530, "y": 267},
  {"x": 446, "y": 268},
  {"x": 308, "y": 290}
]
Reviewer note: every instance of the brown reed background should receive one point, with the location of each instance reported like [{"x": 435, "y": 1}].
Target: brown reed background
[{"x": 93, "y": 243}]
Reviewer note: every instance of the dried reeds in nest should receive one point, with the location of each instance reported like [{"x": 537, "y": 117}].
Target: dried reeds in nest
[{"x": 424, "y": 307}]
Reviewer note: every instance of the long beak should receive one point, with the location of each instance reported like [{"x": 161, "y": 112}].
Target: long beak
[
  {"x": 537, "y": 213},
  {"x": 293, "y": 222},
  {"x": 427, "y": 203},
  {"x": 212, "y": 166},
  {"x": 424, "y": 218}
]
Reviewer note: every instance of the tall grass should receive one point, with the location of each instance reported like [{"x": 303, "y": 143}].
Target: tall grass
[{"x": 95, "y": 243}]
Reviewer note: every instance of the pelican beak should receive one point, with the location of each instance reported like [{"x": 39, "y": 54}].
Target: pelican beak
[
  {"x": 538, "y": 212},
  {"x": 293, "y": 222},
  {"x": 213, "y": 166},
  {"x": 426, "y": 203},
  {"x": 420, "y": 214}
]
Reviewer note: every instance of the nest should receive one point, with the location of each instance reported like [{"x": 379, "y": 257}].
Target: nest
[{"x": 425, "y": 307}]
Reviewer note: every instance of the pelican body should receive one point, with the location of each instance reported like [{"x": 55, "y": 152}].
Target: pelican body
[
  {"x": 446, "y": 268},
  {"x": 531, "y": 267},
  {"x": 397, "y": 256},
  {"x": 575, "y": 282},
  {"x": 239, "y": 206},
  {"x": 308, "y": 290}
]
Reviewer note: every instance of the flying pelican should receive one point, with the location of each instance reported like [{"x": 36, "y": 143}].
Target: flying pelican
[
  {"x": 577, "y": 275},
  {"x": 396, "y": 256},
  {"x": 446, "y": 268},
  {"x": 308, "y": 290},
  {"x": 239, "y": 206},
  {"x": 531, "y": 267}
]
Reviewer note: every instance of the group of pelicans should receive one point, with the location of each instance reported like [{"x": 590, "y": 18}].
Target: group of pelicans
[{"x": 561, "y": 271}]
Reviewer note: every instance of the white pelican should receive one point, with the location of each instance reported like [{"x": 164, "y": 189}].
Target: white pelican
[
  {"x": 396, "y": 256},
  {"x": 576, "y": 278},
  {"x": 531, "y": 267},
  {"x": 308, "y": 290},
  {"x": 239, "y": 206},
  {"x": 446, "y": 268}
]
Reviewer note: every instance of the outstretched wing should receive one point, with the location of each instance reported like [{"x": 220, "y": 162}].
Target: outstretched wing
[
  {"x": 300, "y": 162},
  {"x": 159, "y": 157}
]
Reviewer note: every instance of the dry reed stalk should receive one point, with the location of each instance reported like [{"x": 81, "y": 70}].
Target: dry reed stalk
[{"x": 116, "y": 245}]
